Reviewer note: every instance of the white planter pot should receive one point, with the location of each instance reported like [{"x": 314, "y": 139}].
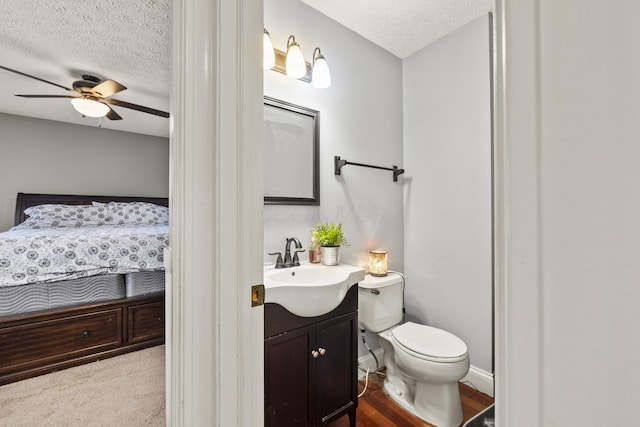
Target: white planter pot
[{"x": 330, "y": 255}]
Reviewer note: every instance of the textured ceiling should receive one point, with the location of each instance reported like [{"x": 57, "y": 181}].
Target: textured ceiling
[
  {"x": 124, "y": 40},
  {"x": 129, "y": 41},
  {"x": 402, "y": 26}
]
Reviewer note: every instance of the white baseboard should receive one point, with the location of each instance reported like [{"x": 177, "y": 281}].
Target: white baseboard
[
  {"x": 368, "y": 361},
  {"x": 476, "y": 378},
  {"x": 480, "y": 380}
]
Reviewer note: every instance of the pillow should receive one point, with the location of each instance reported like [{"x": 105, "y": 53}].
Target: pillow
[
  {"x": 52, "y": 216},
  {"x": 133, "y": 213}
]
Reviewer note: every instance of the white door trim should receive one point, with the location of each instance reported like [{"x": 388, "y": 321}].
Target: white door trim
[
  {"x": 216, "y": 370},
  {"x": 518, "y": 332}
]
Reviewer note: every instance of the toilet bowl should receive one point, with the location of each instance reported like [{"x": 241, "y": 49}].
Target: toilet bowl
[
  {"x": 423, "y": 363},
  {"x": 431, "y": 375}
]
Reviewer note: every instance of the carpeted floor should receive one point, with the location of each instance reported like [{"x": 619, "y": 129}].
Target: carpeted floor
[{"x": 127, "y": 390}]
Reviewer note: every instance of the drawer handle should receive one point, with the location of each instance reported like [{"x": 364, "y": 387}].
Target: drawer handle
[{"x": 86, "y": 334}]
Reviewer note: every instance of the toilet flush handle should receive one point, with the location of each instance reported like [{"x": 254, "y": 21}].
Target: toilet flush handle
[{"x": 375, "y": 291}]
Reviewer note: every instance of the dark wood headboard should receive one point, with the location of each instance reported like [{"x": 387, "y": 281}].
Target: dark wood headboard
[{"x": 25, "y": 200}]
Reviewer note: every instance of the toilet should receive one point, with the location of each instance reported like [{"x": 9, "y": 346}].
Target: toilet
[{"x": 424, "y": 364}]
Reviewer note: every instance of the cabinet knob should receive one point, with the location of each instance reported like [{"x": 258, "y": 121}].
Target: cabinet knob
[
  {"x": 322, "y": 351},
  {"x": 315, "y": 354},
  {"x": 85, "y": 334}
]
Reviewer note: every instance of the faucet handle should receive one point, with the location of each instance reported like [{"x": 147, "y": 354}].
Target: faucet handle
[
  {"x": 279, "y": 262},
  {"x": 296, "y": 260}
]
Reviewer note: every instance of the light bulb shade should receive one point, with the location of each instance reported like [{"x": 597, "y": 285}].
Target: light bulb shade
[
  {"x": 378, "y": 263},
  {"x": 89, "y": 107},
  {"x": 321, "y": 77},
  {"x": 269, "y": 55},
  {"x": 295, "y": 65}
]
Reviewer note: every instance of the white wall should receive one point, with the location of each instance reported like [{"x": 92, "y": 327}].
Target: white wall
[
  {"x": 360, "y": 120},
  {"x": 447, "y": 149},
  {"x": 43, "y": 156},
  {"x": 589, "y": 92},
  {"x": 567, "y": 314}
]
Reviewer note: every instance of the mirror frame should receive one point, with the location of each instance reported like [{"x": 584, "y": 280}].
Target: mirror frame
[{"x": 314, "y": 200}]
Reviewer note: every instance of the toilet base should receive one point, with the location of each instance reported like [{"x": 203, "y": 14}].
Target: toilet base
[
  {"x": 437, "y": 404},
  {"x": 399, "y": 396}
]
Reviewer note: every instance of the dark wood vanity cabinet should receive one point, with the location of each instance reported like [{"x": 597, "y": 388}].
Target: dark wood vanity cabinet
[{"x": 311, "y": 365}]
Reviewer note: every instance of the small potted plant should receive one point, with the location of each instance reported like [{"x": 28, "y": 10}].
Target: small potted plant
[{"x": 329, "y": 236}]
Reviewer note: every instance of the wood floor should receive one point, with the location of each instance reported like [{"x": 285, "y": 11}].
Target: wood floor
[{"x": 375, "y": 408}]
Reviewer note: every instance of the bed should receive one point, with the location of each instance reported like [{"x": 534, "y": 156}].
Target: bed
[{"x": 80, "y": 282}]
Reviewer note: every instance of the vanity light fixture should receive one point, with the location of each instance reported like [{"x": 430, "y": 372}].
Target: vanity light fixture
[
  {"x": 378, "y": 263},
  {"x": 292, "y": 62},
  {"x": 269, "y": 55},
  {"x": 320, "y": 77},
  {"x": 89, "y": 107},
  {"x": 296, "y": 66}
]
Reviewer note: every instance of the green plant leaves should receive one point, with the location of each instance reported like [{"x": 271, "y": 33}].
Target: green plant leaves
[{"x": 328, "y": 234}]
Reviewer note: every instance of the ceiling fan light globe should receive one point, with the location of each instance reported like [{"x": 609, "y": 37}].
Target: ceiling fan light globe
[{"x": 89, "y": 107}]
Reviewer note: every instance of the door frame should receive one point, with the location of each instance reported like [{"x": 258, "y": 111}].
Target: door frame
[
  {"x": 215, "y": 339},
  {"x": 215, "y": 353},
  {"x": 517, "y": 265}
]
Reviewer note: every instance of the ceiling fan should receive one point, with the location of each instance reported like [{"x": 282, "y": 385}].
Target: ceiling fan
[{"x": 92, "y": 96}]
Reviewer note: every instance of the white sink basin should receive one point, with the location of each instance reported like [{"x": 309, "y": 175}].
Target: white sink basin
[{"x": 311, "y": 289}]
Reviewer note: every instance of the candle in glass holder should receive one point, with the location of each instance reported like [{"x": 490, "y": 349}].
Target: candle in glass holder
[{"x": 378, "y": 263}]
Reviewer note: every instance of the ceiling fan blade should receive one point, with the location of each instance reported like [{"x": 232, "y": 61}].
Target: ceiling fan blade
[
  {"x": 112, "y": 115},
  {"x": 47, "y": 96},
  {"x": 136, "y": 107},
  {"x": 36, "y": 78},
  {"x": 107, "y": 88}
]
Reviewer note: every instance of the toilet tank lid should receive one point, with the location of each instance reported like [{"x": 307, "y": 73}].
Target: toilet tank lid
[{"x": 373, "y": 282}]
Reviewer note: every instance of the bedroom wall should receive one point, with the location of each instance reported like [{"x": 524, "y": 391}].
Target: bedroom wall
[
  {"x": 360, "y": 120},
  {"x": 43, "y": 156}
]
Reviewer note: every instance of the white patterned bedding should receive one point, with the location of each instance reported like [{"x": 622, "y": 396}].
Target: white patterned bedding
[{"x": 30, "y": 255}]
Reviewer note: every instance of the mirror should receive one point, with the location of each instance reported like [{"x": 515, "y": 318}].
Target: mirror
[{"x": 291, "y": 164}]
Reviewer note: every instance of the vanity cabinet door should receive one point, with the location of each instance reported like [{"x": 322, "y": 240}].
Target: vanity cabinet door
[
  {"x": 310, "y": 365},
  {"x": 289, "y": 394},
  {"x": 337, "y": 377}
]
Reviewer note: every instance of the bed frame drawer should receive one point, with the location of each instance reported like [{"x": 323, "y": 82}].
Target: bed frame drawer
[
  {"x": 146, "y": 321},
  {"x": 40, "y": 342},
  {"x": 50, "y": 340}
]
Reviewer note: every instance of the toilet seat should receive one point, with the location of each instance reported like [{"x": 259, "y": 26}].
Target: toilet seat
[{"x": 429, "y": 343}]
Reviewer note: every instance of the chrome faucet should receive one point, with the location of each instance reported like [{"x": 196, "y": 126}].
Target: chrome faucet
[{"x": 288, "y": 261}]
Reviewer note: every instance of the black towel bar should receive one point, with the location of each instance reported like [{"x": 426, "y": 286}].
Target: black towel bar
[{"x": 338, "y": 164}]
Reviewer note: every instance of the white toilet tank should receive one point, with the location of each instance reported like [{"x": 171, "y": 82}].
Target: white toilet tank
[{"x": 380, "y": 302}]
